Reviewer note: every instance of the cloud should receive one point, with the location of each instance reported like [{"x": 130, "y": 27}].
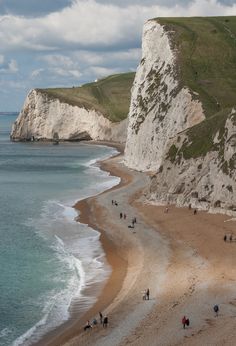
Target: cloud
[
  {"x": 106, "y": 58},
  {"x": 12, "y": 66},
  {"x": 93, "y": 25},
  {"x": 5, "y": 85},
  {"x": 1, "y": 59},
  {"x": 85, "y": 64},
  {"x": 37, "y": 72},
  {"x": 61, "y": 65},
  {"x": 64, "y": 72},
  {"x": 36, "y": 8},
  {"x": 56, "y": 65},
  {"x": 58, "y": 60},
  {"x": 99, "y": 71},
  {"x": 8, "y": 66},
  {"x": 167, "y": 3}
]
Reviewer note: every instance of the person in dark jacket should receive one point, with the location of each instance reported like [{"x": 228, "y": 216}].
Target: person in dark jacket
[
  {"x": 105, "y": 322},
  {"x": 101, "y": 317},
  {"x": 216, "y": 310}
]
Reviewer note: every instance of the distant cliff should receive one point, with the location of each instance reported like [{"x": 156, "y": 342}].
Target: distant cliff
[
  {"x": 182, "y": 119},
  {"x": 95, "y": 111}
]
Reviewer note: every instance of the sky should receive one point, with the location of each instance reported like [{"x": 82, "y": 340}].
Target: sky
[{"x": 64, "y": 43}]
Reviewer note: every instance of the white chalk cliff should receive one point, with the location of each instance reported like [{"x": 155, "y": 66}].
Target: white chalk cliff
[
  {"x": 160, "y": 108},
  {"x": 43, "y": 117},
  {"x": 162, "y": 112},
  {"x": 206, "y": 182}
]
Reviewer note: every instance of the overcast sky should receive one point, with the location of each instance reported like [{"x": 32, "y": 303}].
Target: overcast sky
[{"x": 53, "y": 43}]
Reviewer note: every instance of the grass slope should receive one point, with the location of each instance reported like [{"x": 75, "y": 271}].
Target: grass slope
[
  {"x": 207, "y": 65},
  {"x": 110, "y": 96},
  {"x": 207, "y": 58}
]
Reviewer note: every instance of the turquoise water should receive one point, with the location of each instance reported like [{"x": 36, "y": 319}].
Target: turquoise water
[{"x": 47, "y": 259}]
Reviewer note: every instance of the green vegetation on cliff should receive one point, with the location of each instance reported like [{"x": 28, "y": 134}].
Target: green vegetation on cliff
[
  {"x": 110, "y": 96},
  {"x": 201, "y": 136},
  {"x": 206, "y": 55},
  {"x": 207, "y": 58}
]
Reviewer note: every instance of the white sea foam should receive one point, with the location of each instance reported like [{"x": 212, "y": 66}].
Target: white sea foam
[
  {"x": 74, "y": 263},
  {"x": 78, "y": 248},
  {"x": 4, "y": 332},
  {"x": 68, "y": 212},
  {"x": 56, "y": 304}
]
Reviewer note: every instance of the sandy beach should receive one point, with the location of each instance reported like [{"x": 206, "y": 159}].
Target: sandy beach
[{"x": 181, "y": 257}]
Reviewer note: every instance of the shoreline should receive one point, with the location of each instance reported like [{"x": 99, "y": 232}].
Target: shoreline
[
  {"x": 182, "y": 258},
  {"x": 112, "y": 285},
  {"x": 184, "y": 261}
]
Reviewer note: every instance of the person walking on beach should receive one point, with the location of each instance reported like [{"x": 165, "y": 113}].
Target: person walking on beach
[
  {"x": 184, "y": 321},
  {"x": 216, "y": 310},
  {"x": 187, "y": 322},
  {"x": 124, "y": 216},
  {"x": 231, "y": 238},
  {"x": 87, "y": 326},
  {"x": 225, "y": 238},
  {"x": 101, "y": 317},
  {"x": 195, "y": 212},
  {"x": 148, "y": 294},
  {"x": 105, "y": 322},
  {"x": 121, "y": 215},
  {"x": 95, "y": 322}
]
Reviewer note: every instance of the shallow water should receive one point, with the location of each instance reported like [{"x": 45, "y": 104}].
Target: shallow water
[{"x": 46, "y": 257}]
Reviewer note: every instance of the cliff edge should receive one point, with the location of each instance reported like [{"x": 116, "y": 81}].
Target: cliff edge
[{"x": 182, "y": 119}]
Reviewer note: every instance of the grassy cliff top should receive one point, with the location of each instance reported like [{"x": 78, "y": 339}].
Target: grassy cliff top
[
  {"x": 110, "y": 96},
  {"x": 207, "y": 58}
]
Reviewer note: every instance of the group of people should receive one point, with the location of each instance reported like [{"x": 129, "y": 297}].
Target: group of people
[
  {"x": 124, "y": 216},
  {"x": 103, "y": 321},
  {"x": 146, "y": 294},
  {"x": 186, "y": 322},
  {"x": 228, "y": 238}
]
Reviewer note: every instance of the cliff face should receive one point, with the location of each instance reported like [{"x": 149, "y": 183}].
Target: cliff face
[
  {"x": 206, "y": 181},
  {"x": 160, "y": 106},
  {"x": 182, "y": 122},
  {"x": 43, "y": 118}
]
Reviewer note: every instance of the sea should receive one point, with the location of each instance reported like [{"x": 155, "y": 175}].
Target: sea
[{"x": 47, "y": 259}]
